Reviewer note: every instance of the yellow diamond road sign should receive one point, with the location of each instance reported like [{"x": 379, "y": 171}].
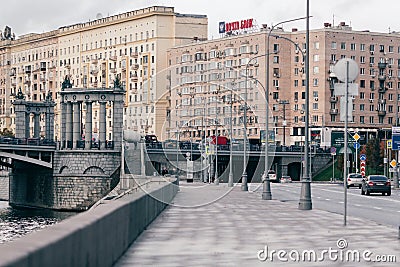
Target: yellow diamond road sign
[
  {"x": 393, "y": 163},
  {"x": 356, "y": 137}
]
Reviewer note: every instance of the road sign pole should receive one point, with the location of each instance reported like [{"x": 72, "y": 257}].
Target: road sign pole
[
  {"x": 356, "y": 160},
  {"x": 333, "y": 167}
]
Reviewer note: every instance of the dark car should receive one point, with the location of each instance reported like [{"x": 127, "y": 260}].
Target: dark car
[{"x": 376, "y": 184}]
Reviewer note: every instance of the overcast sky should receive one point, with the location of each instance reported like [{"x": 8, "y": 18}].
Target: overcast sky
[{"x": 25, "y": 16}]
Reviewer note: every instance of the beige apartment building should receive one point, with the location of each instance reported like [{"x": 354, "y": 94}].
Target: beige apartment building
[
  {"x": 131, "y": 46},
  {"x": 203, "y": 76}
]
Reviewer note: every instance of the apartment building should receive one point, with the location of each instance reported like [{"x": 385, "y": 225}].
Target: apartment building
[
  {"x": 130, "y": 46},
  {"x": 203, "y": 76}
]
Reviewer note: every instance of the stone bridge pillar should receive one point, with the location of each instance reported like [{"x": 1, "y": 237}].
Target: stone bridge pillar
[
  {"x": 88, "y": 125},
  {"x": 68, "y": 125},
  {"x": 23, "y": 111},
  {"x": 76, "y": 124},
  {"x": 102, "y": 125},
  {"x": 36, "y": 125}
]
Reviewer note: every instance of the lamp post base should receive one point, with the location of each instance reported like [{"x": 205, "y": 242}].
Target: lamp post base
[
  {"x": 216, "y": 181},
  {"x": 244, "y": 182},
  {"x": 230, "y": 180},
  {"x": 305, "y": 197},
  {"x": 266, "y": 194}
]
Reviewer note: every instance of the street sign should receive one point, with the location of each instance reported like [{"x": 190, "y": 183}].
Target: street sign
[
  {"x": 356, "y": 136},
  {"x": 362, "y": 167},
  {"x": 333, "y": 150},
  {"x": 389, "y": 144},
  {"x": 395, "y": 138},
  {"x": 393, "y": 163},
  {"x": 356, "y": 145},
  {"x": 363, "y": 157},
  {"x": 392, "y": 169}
]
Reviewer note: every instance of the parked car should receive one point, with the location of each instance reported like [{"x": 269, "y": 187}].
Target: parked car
[
  {"x": 286, "y": 179},
  {"x": 354, "y": 179},
  {"x": 376, "y": 184},
  {"x": 272, "y": 176}
]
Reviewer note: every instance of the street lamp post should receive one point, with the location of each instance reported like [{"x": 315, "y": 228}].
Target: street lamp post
[
  {"x": 305, "y": 197},
  {"x": 230, "y": 178},
  {"x": 266, "y": 195},
  {"x": 216, "y": 178},
  {"x": 244, "y": 175}
]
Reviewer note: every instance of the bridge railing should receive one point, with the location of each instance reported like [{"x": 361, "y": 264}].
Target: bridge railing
[
  {"x": 80, "y": 144},
  {"x": 27, "y": 141},
  {"x": 195, "y": 147}
]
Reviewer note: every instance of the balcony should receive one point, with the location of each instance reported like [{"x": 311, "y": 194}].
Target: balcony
[
  {"x": 95, "y": 61},
  {"x": 381, "y": 77},
  {"x": 113, "y": 58},
  {"x": 134, "y": 78},
  {"x": 94, "y": 71},
  {"x": 381, "y": 101},
  {"x": 134, "y": 54},
  {"x": 135, "y": 66},
  {"x": 333, "y": 99},
  {"x": 382, "y": 90},
  {"x": 381, "y": 112},
  {"x": 113, "y": 70},
  {"x": 381, "y": 65},
  {"x": 333, "y": 111}
]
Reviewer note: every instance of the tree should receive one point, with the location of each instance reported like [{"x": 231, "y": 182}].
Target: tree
[
  {"x": 374, "y": 154},
  {"x": 7, "y": 133}
]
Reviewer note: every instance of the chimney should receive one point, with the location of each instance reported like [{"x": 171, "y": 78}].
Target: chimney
[
  {"x": 294, "y": 29},
  {"x": 327, "y": 24},
  {"x": 342, "y": 23}
]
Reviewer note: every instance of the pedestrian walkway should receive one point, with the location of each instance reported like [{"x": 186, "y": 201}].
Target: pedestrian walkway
[{"x": 211, "y": 225}]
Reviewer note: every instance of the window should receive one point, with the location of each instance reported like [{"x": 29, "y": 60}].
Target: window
[
  {"x": 334, "y": 45},
  {"x": 362, "y": 47},
  {"x": 362, "y": 71},
  {"x": 362, "y": 119},
  {"x": 381, "y": 48},
  {"x": 362, "y": 83},
  {"x": 343, "y": 45},
  {"x": 316, "y": 70},
  {"x": 371, "y": 120},
  {"x": 276, "y": 59},
  {"x": 352, "y": 47},
  {"x": 362, "y": 59},
  {"x": 316, "y": 58},
  {"x": 371, "y": 47},
  {"x": 315, "y": 82},
  {"x": 316, "y": 45},
  {"x": 391, "y": 48},
  {"x": 362, "y": 107}
]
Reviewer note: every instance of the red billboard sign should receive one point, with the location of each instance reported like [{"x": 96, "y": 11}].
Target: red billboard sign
[{"x": 235, "y": 25}]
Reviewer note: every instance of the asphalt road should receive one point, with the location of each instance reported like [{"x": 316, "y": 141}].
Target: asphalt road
[{"x": 330, "y": 197}]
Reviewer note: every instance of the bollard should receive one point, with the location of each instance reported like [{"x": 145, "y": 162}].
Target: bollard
[{"x": 399, "y": 233}]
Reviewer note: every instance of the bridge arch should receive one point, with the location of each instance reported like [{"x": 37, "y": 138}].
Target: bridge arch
[
  {"x": 93, "y": 170},
  {"x": 63, "y": 168}
]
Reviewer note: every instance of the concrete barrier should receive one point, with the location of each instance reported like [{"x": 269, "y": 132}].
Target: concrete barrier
[{"x": 97, "y": 237}]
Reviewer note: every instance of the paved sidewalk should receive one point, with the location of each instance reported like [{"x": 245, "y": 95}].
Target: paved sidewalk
[{"x": 212, "y": 225}]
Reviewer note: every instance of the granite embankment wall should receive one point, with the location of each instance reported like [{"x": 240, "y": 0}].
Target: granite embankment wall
[
  {"x": 97, "y": 237},
  {"x": 4, "y": 185}
]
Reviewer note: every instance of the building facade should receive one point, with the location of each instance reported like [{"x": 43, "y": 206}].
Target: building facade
[
  {"x": 204, "y": 74},
  {"x": 130, "y": 46}
]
